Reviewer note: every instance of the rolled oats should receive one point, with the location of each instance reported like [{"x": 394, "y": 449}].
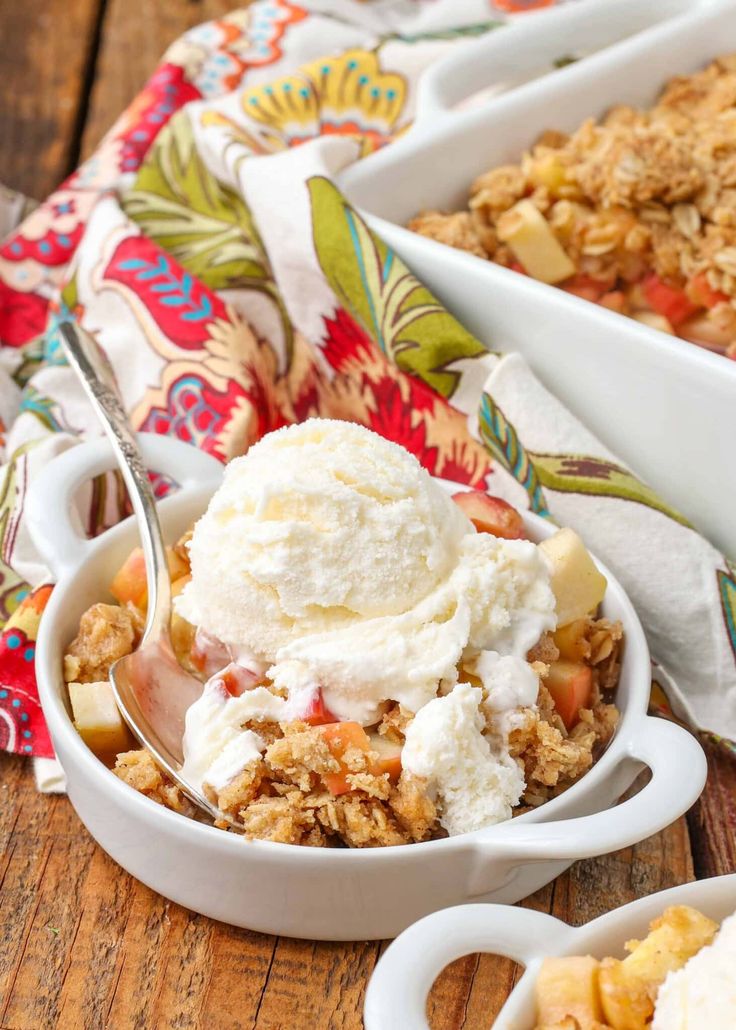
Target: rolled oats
[
  {"x": 687, "y": 219},
  {"x": 725, "y": 260},
  {"x": 670, "y": 169}
]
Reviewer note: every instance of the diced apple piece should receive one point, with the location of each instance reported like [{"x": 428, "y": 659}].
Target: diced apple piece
[
  {"x": 678, "y": 934},
  {"x": 707, "y": 333},
  {"x": 702, "y": 294},
  {"x": 337, "y": 783},
  {"x": 340, "y": 737},
  {"x": 129, "y": 584},
  {"x": 629, "y": 988},
  {"x": 98, "y": 720},
  {"x": 568, "y": 987},
  {"x": 669, "y": 301},
  {"x": 549, "y": 171},
  {"x": 389, "y": 756},
  {"x": 343, "y": 735},
  {"x": 181, "y": 547},
  {"x": 235, "y": 679},
  {"x": 577, "y": 584},
  {"x": 571, "y": 641},
  {"x": 587, "y": 287},
  {"x": 614, "y": 300},
  {"x": 625, "y": 1000},
  {"x": 490, "y": 514},
  {"x": 178, "y": 566},
  {"x": 317, "y": 712},
  {"x": 570, "y": 685},
  {"x": 529, "y": 236},
  {"x": 654, "y": 321},
  {"x": 209, "y": 655}
]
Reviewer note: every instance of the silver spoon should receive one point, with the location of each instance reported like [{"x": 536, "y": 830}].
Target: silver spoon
[{"x": 152, "y": 691}]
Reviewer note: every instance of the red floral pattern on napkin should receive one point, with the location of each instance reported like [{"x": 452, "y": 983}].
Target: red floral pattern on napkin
[
  {"x": 22, "y": 726},
  {"x": 213, "y": 351}
]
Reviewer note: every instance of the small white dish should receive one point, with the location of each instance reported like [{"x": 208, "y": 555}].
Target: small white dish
[
  {"x": 661, "y": 404},
  {"x": 397, "y": 993},
  {"x": 330, "y": 894}
]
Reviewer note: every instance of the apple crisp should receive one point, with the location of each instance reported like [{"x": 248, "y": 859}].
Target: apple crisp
[
  {"x": 346, "y": 751},
  {"x": 636, "y": 212},
  {"x": 580, "y": 992},
  {"x": 283, "y": 796}
]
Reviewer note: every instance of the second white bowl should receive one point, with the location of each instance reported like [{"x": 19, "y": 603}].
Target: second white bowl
[
  {"x": 330, "y": 893},
  {"x": 397, "y": 994}
]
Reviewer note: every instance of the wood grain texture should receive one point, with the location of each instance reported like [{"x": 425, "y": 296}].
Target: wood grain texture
[
  {"x": 85, "y": 947},
  {"x": 712, "y": 819},
  {"x": 135, "y": 33},
  {"x": 82, "y": 945},
  {"x": 46, "y": 47},
  {"x": 470, "y": 993}
]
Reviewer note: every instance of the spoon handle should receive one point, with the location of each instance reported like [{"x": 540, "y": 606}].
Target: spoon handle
[{"x": 85, "y": 357}]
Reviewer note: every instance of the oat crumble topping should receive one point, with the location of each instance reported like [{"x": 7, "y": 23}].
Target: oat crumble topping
[
  {"x": 642, "y": 202},
  {"x": 282, "y": 797}
]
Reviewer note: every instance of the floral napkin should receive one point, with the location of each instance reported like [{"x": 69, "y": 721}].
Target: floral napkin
[{"x": 208, "y": 250}]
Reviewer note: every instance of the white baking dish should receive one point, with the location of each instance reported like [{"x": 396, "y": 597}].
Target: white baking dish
[
  {"x": 666, "y": 407},
  {"x": 397, "y": 994},
  {"x": 329, "y": 893}
]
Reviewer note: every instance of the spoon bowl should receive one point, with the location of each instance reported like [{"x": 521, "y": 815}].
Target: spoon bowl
[{"x": 152, "y": 690}]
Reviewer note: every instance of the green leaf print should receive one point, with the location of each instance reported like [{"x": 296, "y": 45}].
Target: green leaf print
[
  {"x": 462, "y": 32},
  {"x": 580, "y": 474},
  {"x": 207, "y": 227},
  {"x": 69, "y": 297},
  {"x": 727, "y": 588},
  {"x": 500, "y": 438},
  {"x": 409, "y": 325},
  {"x": 32, "y": 402}
]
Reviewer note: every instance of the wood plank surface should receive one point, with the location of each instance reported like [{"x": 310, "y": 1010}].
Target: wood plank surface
[
  {"x": 135, "y": 33},
  {"x": 83, "y": 945},
  {"x": 46, "y": 53}
]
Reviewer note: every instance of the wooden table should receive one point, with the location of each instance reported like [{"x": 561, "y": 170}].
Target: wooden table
[{"x": 82, "y": 945}]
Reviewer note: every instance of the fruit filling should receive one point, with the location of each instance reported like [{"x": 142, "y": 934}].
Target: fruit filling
[
  {"x": 680, "y": 977},
  {"x": 636, "y": 212},
  {"x": 381, "y": 663}
]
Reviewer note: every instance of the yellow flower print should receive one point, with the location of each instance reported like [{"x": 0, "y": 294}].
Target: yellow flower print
[{"x": 349, "y": 95}]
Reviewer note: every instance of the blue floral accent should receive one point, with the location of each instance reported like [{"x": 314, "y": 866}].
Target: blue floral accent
[
  {"x": 53, "y": 350},
  {"x": 727, "y": 588},
  {"x": 36, "y": 403},
  {"x": 500, "y": 438},
  {"x": 177, "y": 287}
]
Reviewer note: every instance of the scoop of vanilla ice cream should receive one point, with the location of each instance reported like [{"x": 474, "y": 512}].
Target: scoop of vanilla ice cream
[
  {"x": 475, "y": 784},
  {"x": 496, "y": 597},
  {"x": 703, "y": 992},
  {"x": 330, "y": 554},
  {"x": 318, "y": 526}
]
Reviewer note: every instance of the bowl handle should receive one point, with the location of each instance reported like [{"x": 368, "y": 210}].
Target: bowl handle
[
  {"x": 502, "y": 59},
  {"x": 397, "y": 993},
  {"x": 679, "y": 770},
  {"x": 52, "y": 522}
]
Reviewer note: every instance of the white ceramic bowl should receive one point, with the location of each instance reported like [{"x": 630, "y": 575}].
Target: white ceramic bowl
[
  {"x": 661, "y": 404},
  {"x": 397, "y": 994},
  {"x": 330, "y": 894}
]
